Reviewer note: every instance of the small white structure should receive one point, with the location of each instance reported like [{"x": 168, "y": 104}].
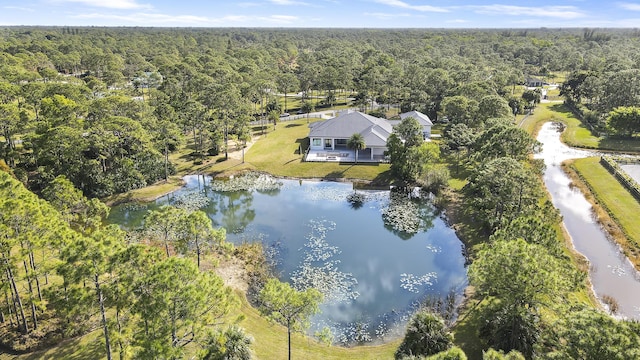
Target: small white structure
[{"x": 423, "y": 119}]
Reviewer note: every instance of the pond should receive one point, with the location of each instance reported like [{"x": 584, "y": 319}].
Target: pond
[
  {"x": 611, "y": 273},
  {"x": 375, "y": 261}
]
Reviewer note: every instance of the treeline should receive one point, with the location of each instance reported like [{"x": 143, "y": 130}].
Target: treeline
[
  {"x": 525, "y": 282},
  {"x": 64, "y": 273},
  {"x": 120, "y": 100},
  {"x": 607, "y": 95}
]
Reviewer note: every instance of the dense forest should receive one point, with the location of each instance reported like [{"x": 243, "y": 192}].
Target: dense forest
[{"x": 90, "y": 112}]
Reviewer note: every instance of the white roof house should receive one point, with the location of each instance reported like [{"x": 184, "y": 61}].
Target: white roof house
[
  {"x": 423, "y": 119},
  {"x": 328, "y": 139}
]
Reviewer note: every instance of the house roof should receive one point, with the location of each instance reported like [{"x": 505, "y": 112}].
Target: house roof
[
  {"x": 422, "y": 118},
  {"x": 375, "y": 131}
]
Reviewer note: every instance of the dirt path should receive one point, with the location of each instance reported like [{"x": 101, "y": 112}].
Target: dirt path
[
  {"x": 237, "y": 149},
  {"x": 233, "y": 274}
]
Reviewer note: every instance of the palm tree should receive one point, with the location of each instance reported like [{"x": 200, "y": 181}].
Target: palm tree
[{"x": 356, "y": 142}]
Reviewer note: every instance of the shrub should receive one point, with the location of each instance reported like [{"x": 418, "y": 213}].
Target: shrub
[
  {"x": 426, "y": 335},
  {"x": 512, "y": 329},
  {"x": 454, "y": 353},
  {"x": 232, "y": 344},
  {"x": 435, "y": 179},
  {"x": 492, "y": 354},
  {"x": 214, "y": 151}
]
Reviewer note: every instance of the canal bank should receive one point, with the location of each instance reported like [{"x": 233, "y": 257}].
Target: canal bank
[{"x": 612, "y": 275}]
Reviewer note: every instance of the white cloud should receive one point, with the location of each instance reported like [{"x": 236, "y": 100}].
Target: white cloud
[
  {"x": 562, "y": 12},
  {"x": 110, "y": 4},
  {"x": 404, "y": 5},
  {"x": 289, "y": 2},
  {"x": 457, "y": 21},
  {"x": 152, "y": 19},
  {"x": 386, "y": 15},
  {"x": 18, "y": 8},
  {"x": 281, "y": 19},
  {"x": 629, "y": 6},
  {"x": 147, "y": 19},
  {"x": 248, "y": 4}
]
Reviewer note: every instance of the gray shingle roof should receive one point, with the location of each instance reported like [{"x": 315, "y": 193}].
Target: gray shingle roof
[
  {"x": 422, "y": 118},
  {"x": 375, "y": 131}
]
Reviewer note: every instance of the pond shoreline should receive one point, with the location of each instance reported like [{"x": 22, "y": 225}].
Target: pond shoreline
[
  {"x": 405, "y": 275},
  {"x": 153, "y": 192}
]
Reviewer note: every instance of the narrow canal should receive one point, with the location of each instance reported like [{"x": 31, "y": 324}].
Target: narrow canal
[{"x": 611, "y": 273}]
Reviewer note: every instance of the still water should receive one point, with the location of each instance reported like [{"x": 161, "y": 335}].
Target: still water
[
  {"x": 611, "y": 273},
  {"x": 372, "y": 275},
  {"x": 632, "y": 170}
]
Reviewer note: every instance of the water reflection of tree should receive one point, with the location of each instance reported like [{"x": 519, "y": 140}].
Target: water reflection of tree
[
  {"x": 269, "y": 192},
  {"x": 237, "y": 210},
  {"x": 409, "y": 212}
]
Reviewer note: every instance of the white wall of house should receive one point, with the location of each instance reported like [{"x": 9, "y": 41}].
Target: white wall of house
[
  {"x": 321, "y": 143},
  {"x": 377, "y": 152},
  {"x": 317, "y": 143},
  {"x": 426, "y": 131}
]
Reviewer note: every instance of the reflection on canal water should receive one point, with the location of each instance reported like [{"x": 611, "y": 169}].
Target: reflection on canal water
[
  {"x": 611, "y": 273},
  {"x": 372, "y": 275}
]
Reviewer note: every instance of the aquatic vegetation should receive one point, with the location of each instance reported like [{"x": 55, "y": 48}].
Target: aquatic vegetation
[
  {"x": 134, "y": 206},
  {"x": 327, "y": 193},
  {"x": 318, "y": 268},
  {"x": 405, "y": 215},
  {"x": 356, "y": 199},
  {"x": 416, "y": 284},
  {"x": 247, "y": 182},
  {"x": 191, "y": 200}
]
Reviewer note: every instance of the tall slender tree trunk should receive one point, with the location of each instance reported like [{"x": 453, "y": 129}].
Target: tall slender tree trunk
[
  {"x": 289, "y": 335},
  {"x": 198, "y": 251},
  {"x": 34, "y": 316},
  {"x": 166, "y": 247},
  {"x": 119, "y": 325},
  {"x": 226, "y": 141},
  {"x": 103, "y": 315},
  {"x": 22, "y": 319},
  {"x": 10, "y": 307},
  {"x": 32, "y": 261},
  {"x": 166, "y": 161},
  {"x": 174, "y": 335}
]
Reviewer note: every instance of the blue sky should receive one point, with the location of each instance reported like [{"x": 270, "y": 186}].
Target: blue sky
[{"x": 323, "y": 13}]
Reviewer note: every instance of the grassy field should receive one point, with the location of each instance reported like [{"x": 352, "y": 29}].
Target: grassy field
[{"x": 620, "y": 208}]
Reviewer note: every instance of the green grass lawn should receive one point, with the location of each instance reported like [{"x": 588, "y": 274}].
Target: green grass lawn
[
  {"x": 270, "y": 342},
  {"x": 576, "y": 134},
  {"x": 279, "y": 154},
  {"x": 619, "y": 204}
]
